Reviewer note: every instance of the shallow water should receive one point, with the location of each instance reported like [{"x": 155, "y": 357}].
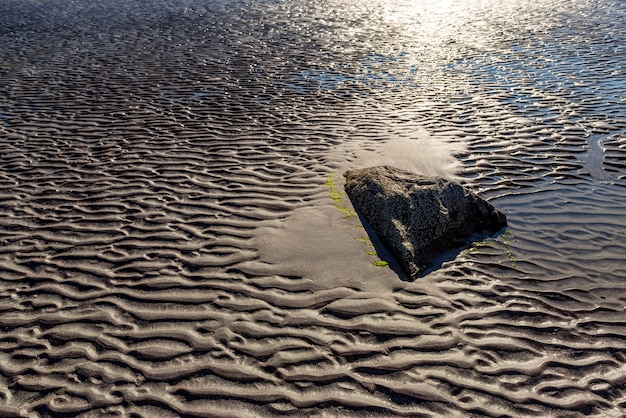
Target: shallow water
[{"x": 165, "y": 210}]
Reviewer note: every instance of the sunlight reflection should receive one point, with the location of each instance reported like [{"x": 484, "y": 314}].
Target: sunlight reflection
[{"x": 435, "y": 22}]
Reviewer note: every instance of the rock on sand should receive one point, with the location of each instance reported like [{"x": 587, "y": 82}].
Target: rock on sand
[{"x": 419, "y": 217}]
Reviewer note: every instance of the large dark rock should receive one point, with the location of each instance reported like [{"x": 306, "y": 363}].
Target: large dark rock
[{"x": 416, "y": 217}]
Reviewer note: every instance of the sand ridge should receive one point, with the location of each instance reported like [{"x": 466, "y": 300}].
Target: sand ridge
[{"x": 168, "y": 246}]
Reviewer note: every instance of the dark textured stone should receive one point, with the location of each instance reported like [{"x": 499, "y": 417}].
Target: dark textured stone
[{"x": 419, "y": 217}]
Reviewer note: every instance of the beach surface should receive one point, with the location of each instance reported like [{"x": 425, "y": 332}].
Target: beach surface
[{"x": 175, "y": 239}]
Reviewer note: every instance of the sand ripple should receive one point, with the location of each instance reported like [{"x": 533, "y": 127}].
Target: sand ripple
[{"x": 169, "y": 242}]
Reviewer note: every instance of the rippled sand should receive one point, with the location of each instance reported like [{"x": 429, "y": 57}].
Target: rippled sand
[{"x": 174, "y": 240}]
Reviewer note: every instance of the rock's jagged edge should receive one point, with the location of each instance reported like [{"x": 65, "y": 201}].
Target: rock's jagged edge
[{"x": 419, "y": 217}]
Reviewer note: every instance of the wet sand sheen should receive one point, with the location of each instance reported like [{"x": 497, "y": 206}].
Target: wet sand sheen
[{"x": 169, "y": 245}]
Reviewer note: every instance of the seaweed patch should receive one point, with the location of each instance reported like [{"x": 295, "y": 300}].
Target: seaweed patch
[{"x": 337, "y": 196}]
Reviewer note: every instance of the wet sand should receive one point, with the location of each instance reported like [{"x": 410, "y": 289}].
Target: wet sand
[{"x": 175, "y": 241}]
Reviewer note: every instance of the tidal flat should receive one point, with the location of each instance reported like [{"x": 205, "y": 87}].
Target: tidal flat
[{"x": 170, "y": 244}]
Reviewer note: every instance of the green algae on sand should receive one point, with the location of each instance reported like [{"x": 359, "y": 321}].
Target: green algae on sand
[{"x": 337, "y": 196}]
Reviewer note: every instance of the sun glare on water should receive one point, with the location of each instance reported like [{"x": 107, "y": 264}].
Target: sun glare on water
[{"x": 439, "y": 23}]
